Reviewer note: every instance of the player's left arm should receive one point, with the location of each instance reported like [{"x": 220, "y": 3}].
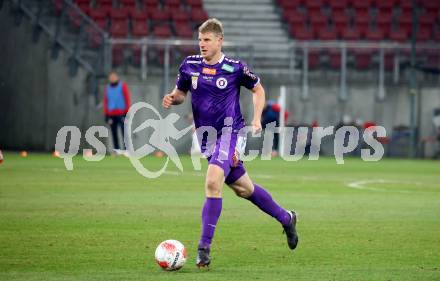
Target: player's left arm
[
  {"x": 126, "y": 92},
  {"x": 259, "y": 101}
]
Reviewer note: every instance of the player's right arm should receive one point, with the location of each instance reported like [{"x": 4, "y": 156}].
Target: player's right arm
[
  {"x": 174, "y": 98},
  {"x": 183, "y": 83}
]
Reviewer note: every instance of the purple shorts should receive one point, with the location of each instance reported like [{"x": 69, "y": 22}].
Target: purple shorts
[{"x": 222, "y": 156}]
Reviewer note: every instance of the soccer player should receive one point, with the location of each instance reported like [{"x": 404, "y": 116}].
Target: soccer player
[{"x": 214, "y": 81}]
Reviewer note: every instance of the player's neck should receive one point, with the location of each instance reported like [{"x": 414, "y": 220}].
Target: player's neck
[{"x": 215, "y": 59}]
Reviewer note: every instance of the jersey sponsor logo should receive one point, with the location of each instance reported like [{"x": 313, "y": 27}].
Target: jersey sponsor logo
[
  {"x": 209, "y": 71},
  {"x": 228, "y": 67},
  {"x": 194, "y": 80},
  {"x": 195, "y": 73},
  {"x": 193, "y": 61},
  {"x": 209, "y": 78},
  {"x": 221, "y": 83}
]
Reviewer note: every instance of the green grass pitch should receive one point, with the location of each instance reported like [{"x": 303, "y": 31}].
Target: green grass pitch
[{"x": 103, "y": 221}]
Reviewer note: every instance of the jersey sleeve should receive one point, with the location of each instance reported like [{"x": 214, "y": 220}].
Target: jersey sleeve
[
  {"x": 247, "y": 78},
  {"x": 183, "y": 81},
  {"x": 126, "y": 92}
]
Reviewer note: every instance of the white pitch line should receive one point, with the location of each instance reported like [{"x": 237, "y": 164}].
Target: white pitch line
[{"x": 363, "y": 185}]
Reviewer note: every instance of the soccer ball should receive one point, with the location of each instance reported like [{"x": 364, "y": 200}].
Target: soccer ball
[{"x": 170, "y": 255}]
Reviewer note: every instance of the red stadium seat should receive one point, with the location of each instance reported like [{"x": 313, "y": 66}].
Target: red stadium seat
[
  {"x": 338, "y": 4},
  {"x": 314, "y": 6},
  {"x": 128, "y": 3},
  {"x": 102, "y": 24},
  {"x": 318, "y": 21},
  {"x": 139, "y": 15},
  {"x": 399, "y": 35},
  {"x": 137, "y": 53},
  {"x": 151, "y": 4},
  {"x": 85, "y": 9},
  {"x": 436, "y": 36},
  {"x": 424, "y": 34},
  {"x": 433, "y": 58},
  {"x": 160, "y": 15},
  {"x": 314, "y": 58},
  {"x": 294, "y": 16},
  {"x": 98, "y": 14},
  {"x": 104, "y": 3},
  {"x": 195, "y": 3},
  {"x": 362, "y": 15},
  {"x": 406, "y": 5},
  {"x": 350, "y": 34},
  {"x": 384, "y": 20},
  {"x": 117, "y": 55},
  {"x": 82, "y": 2},
  {"x": 340, "y": 20},
  {"x": 140, "y": 29},
  {"x": 289, "y": 4},
  {"x": 405, "y": 23},
  {"x": 389, "y": 60},
  {"x": 427, "y": 21},
  {"x": 363, "y": 59},
  {"x": 362, "y": 4},
  {"x": 179, "y": 16},
  {"x": 119, "y": 29},
  {"x": 375, "y": 35},
  {"x": 173, "y": 4},
  {"x": 302, "y": 33},
  {"x": 361, "y": 26},
  {"x": 432, "y": 6},
  {"x": 118, "y": 14},
  {"x": 198, "y": 15},
  {"x": 335, "y": 58},
  {"x": 162, "y": 31},
  {"x": 184, "y": 31},
  {"x": 385, "y": 6},
  {"x": 327, "y": 34}
]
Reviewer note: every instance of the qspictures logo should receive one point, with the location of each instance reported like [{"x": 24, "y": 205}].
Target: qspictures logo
[{"x": 210, "y": 141}]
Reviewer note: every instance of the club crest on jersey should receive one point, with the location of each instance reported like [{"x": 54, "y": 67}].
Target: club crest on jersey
[
  {"x": 194, "y": 81},
  {"x": 221, "y": 83},
  {"x": 210, "y": 71}
]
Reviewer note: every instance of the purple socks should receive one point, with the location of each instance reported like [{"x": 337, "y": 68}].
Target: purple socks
[
  {"x": 210, "y": 213},
  {"x": 263, "y": 200},
  {"x": 213, "y": 207}
]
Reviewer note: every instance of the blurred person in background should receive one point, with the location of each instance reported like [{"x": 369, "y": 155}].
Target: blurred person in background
[
  {"x": 116, "y": 106},
  {"x": 271, "y": 113}
]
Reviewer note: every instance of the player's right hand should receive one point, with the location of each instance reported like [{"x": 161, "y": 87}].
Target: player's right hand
[{"x": 167, "y": 101}]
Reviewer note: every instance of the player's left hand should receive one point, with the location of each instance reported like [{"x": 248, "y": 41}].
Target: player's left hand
[{"x": 256, "y": 126}]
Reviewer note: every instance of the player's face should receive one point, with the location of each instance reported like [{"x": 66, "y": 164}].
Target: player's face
[
  {"x": 113, "y": 77},
  {"x": 209, "y": 44}
]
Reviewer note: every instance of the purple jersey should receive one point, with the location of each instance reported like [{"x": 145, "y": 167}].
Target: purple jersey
[{"x": 215, "y": 89}]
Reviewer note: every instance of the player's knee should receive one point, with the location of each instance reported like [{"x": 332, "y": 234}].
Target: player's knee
[{"x": 213, "y": 186}]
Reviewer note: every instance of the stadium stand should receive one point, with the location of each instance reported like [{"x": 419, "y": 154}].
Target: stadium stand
[
  {"x": 361, "y": 21},
  {"x": 151, "y": 18},
  {"x": 367, "y": 20}
]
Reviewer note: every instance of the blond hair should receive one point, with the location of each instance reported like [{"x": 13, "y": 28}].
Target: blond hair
[{"x": 212, "y": 25}]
